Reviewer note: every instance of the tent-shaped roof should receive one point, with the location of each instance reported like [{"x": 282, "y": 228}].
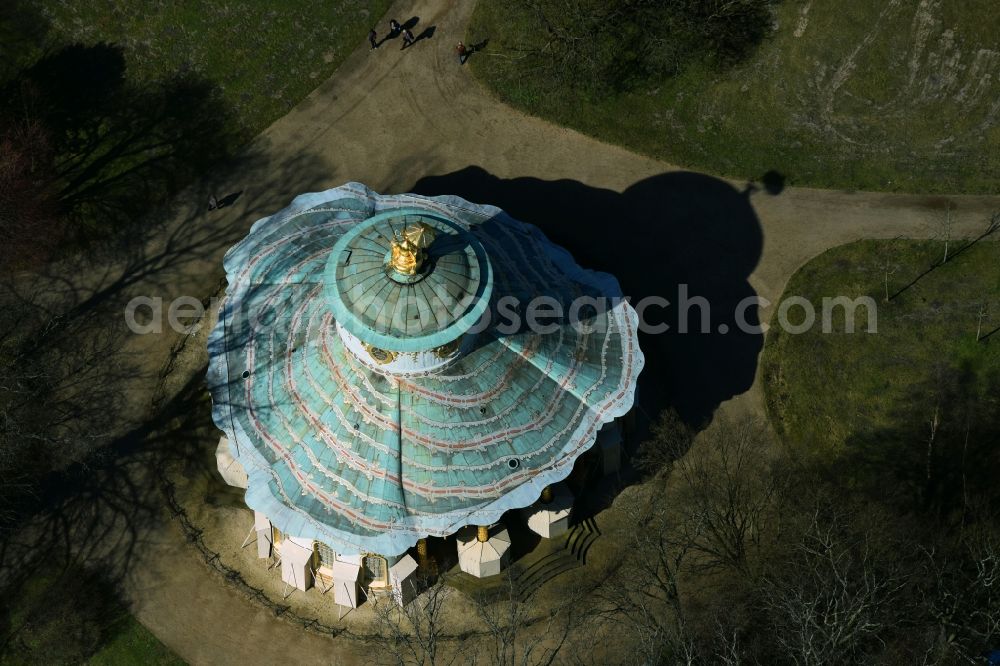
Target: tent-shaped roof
[{"x": 336, "y": 449}]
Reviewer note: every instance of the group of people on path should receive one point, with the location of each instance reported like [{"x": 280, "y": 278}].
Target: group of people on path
[{"x": 395, "y": 29}]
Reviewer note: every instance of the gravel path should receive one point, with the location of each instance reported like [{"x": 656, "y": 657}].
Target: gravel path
[{"x": 415, "y": 120}]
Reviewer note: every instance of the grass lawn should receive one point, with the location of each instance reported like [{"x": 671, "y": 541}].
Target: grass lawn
[
  {"x": 265, "y": 55},
  {"x": 896, "y": 95},
  {"x": 74, "y": 617},
  {"x": 827, "y": 392},
  {"x": 134, "y": 644}
]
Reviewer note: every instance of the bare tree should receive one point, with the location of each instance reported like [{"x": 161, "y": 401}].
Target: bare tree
[
  {"x": 729, "y": 651},
  {"x": 60, "y": 388},
  {"x": 412, "y": 634},
  {"x": 944, "y": 227},
  {"x": 642, "y": 596},
  {"x": 887, "y": 264},
  {"x": 29, "y": 223},
  {"x": 835, "y": 596},
  {"x": 729, "y": 488},
  {"x": 983, "y": 313},
  {"x": 670, "y": 439},
  {"x": 965, "y": 601},
  {"x": 514, "y": 632},
  {"x": 514, "y": 637},
  {"x": 711, "y": 505}
]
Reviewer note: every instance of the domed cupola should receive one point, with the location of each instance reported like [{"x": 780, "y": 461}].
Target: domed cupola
[{"x": 407, "y": 288}]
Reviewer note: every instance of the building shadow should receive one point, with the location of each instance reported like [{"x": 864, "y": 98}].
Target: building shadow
[{"x": 671, "y": 240}]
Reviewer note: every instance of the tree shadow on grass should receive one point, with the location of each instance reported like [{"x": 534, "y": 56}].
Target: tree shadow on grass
[
  {"x": 62, "y": 615},
  {"x": 992, "y": 226},
  {"x": 66, "y": 564},
  {"x": 120, "y": 147},
  {"x": 677, "y": 236},
  {"x": 940, "y": 455},
  {"x": 24, "y": 33}
]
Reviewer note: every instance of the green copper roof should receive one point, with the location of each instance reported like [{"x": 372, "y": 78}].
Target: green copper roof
[
  {"x": 407, "y": 313},
  {"x": 338, "y": 450}
]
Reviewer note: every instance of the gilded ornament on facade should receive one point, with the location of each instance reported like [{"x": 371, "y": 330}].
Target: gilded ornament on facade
[
  {"x": 380, "y": 356},
  {"x": 447, "y": 349}
]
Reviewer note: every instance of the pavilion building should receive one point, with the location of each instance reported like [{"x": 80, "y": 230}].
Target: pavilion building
[{"x": 391, "y": 368}]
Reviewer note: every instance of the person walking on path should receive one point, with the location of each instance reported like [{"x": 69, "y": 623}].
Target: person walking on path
[
  {"x": 213, "y": 203},
  {"x": 462, "y": 51},
  {"x": 393, "y": 27},
  {"x": 408, "y": 38},
  {"x": 372, "y": 36}
]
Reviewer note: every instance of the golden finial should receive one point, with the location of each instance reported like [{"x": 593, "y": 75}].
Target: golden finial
[{"x": 408, "y": 248}]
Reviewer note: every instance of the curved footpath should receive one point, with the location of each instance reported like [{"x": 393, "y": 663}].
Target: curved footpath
[{"x": 389, "y": 119}]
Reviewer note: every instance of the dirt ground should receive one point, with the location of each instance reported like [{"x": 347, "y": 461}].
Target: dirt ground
[{"x": 415, "y": 120}]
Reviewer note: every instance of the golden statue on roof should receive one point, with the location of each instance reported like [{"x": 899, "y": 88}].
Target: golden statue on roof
[{"x": 408, "y": 247}]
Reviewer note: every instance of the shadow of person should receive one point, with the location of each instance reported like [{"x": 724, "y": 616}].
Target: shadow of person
[
  {"x": 411, "y": 23},
  {"x": 682, "y": 246},
  {"x": 427, "y": 33},
  {"x": 479, "y": 46},
  {"x": 229, "y": 199},
  {"x": 467, "y": 52}
]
